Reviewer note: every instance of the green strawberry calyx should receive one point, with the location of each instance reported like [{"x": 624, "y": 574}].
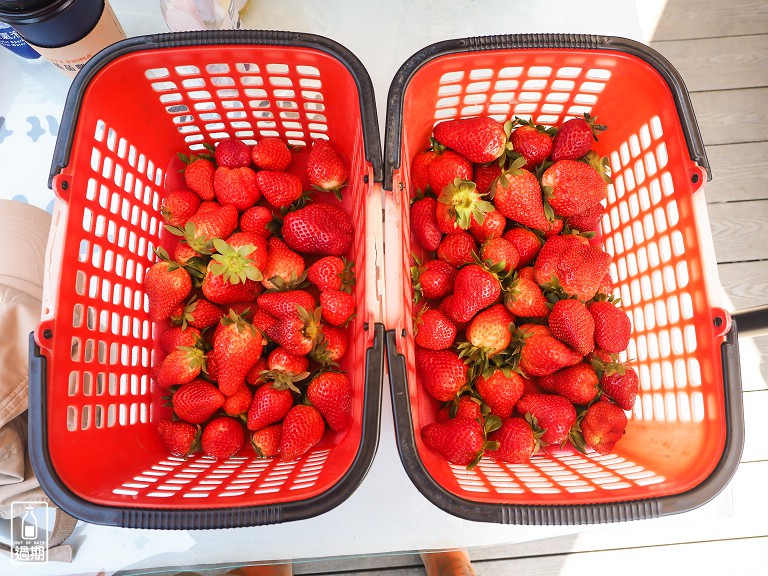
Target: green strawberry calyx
[
  {"x": 233, "y": 263},
  {"x": 241, "y": 324},
  {"x": 466, "y": 203}
]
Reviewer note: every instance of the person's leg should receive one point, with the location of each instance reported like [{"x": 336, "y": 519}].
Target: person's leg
[
  {"x": 450, "y": 563},
  {"x": 264, "y": 570}
]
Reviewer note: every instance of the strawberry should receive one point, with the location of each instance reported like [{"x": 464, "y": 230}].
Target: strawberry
[
  {"x": 612, "y": 326},
  {"x": 166, "y": 285},
  {"x": 331, "y": 345},
  {"x": 532, "y": 141},
  {"x": 271, "y": 153},
  {"x": 179, "y": 438},
  {"x": 197, "y": 401},
  {"x": 446, "y": 307},
  {"x": 457, "y": 249},
  {"x": 282, "y": 304},
  {"x": 231, "y": 275},
  {"x": 432, "y": 280},
  {"x": 258, "y": 244},
  {"x": 198, "y": 176},
  {"x": 464, "y": 406},
  {"x": 238, "y": 403},
  {"x": 526, "y": 242},
  {"x": 573, "y": 187},
  {"x": 459, "y": 204},
  {"x": 212, "y": 366},
  {"x": 236, "y": 186},
  {"x": 517, "y": 440},
  {"x": 178, "y": 206},
  {"x": 256, "y": 220},
  {"x": 176, "y": 336},
  {"x": 199, "y": 313},
  {"x": 606, "y": 285},
  {"x": 433, "y": 330},
  {"x": 575, "y": 137},
  {"x": 271, "y": 402},
  {"x": 588, "y": 220},
  {"x": 500, "y": 251},
  {"x": 557, "y": 227},
  {"x": 475, "y": 288},
  {"x": 619, "y": 382},
  {"x": 325, "y": 168},
  {"x": 524, "y": 298},
  {"x": 256, "y": 375},
  {"x": 303, "y": 427},
  {"x": 337, "y": 307},
  {"x": 581, "y": 270},
  {"x": 284, "y": 266},
  {"x": 441, "y": 372},
  {"x": 221, "y": 291},
  {"x": 331, "y": 394},
  {"x": 483, "y": 176},
  {"x": 480, "y": 139},
  {"x": 180, "y": 366},
  {"x": 577, "y": 383},
  {"x": 232, "y": 153},
  {"x": 238, "y": 346},
  {"x": 571, "y": 323},
  {"x": 298, "y": 333},
  {"x": 492, "y": 227},
  {"x": 545, "y": 267},
  {"x": 332, "y": 273},
  {"x": 183, "y": 253},
  {"x": 602, "y": 426},
  {"x": 445, "y": 167},
  {"x": 554, "y": 414},
  {"x": 488, "y": 331},
  {"x": 527, "y": 273},
  {"x": 517, "y": 195},
  {"x": 420, "y": 171},
  {"x": 266, "y": 442},
  {"x": 542, "y": 354},
  {"x": 209, "y": 222},
  {"x": 282, "y": 360},
  {"x": 424, "y": 224},
  {"x": 280, "y": 189},
  {"x": 222, "y": 438},
  {"x": 460, "y": 441},
  {"x": 318, "y": 229},
  {"x": 500, "y": 390}
]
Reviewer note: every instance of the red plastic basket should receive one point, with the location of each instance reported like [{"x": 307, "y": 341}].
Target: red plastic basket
[
  {"x": 685, "y": 438},
  {"x": 128, "y": 113}
]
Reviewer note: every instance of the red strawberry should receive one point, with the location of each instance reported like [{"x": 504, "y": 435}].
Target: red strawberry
[
  {"x": 337, "y": 307},
  {"x": 489, "y": 330},
  {"x": 432, "y": 280},
  {"x": 212, "y": 365},
  {"x": 177, "y": 336},
  {"x": 434, "y": 330},
  {"x": 555, "y": 229},
  {"x": 543, "y": 354},
  {"x": 209, "y": 222},
  {"x": 266, "y": 442},
  {"x": 500, "y": 390},
  {"x": 255, "y": 220},
  {"x": 612, "y": 326},
  {"x": 318, "y": 229},
  {"x": 239, "y": 403},
  {"x": 232, "y": 153},
  {"x": 492, "y": 227},
  {"x": 280, "y": 189},
  {"x": 180, "y": 366},
  {"x": 271, "y": 402},
  {"x": 588, "y": 220},
  {"x": 554, "y": 414},
  {"x": 231, "y": 275},
  {"x": 236, "y": 186},
  {"x": 424, "y": 224},
  {"x": 484, "y": 174},
  {"x": 282, "y": 360},
  {"x": 198, "y": 176},
  {"x": 581, "y": 270},
  {"x": 517, "y": 441},
  {"x": 606, "y": 285},
  {"x": 571, "y": 322},
  {"x": 545, "y": 267},
  {"x": 284, "y": 266},
  {"x": 222, "y": 438},
  {"x": 577, "y": 383},
  {"x": 480, "y": 139},
  {"x": 457, "y": 249},
  {"x": 527, "y": 273},
  {"x": 445, "y": 168},
  {"x": 332, "y": 273},
  {"x": 575, "y": 138},
  {"x": 257, "y": 244},
  {"x": 331, "y": 394},
  {"x": 573, "y": 187},
  {"x": 331, "y": 346},
  {"x": 271, "y": 153},
  {"x": 602, "y": 426},
  {"x": 179, "y": 206},
  {"x": 298, "y": 333},
  {"x": 500, "y": 251},
  {"x": 621, "y": 384},
  {"x": 461, "y": 441},
  {"x": 256, "y": 375},
  {"x": 199, "y": 313},
  {"x": 197, "y": 401},
  {"x": 221, "y": 291},
  {"x": 524, "y": 298},
  {"x": 464, "y": 406},
  {"x": 446, "y": 307},
  {"x": 179, "y": 438},
  {"x": 526, "y": 242},
  {"x": 303, "y": 427},
  {"x": 458, "y": 205},
  {"x": 420, "y": 171},
  {"x": 533, "y": 142},
  {"x": 184, "y": 252},
  {"x": 166, "y": 285},
  {"x": 325, "y": 168},
  {"x": 441, "y": 372},
  {"x": 517, "y": 195},
  {"x": 474, "y": 289},
  {"x": 282, "y": 304},
  {"x": 238, "y": 346}
]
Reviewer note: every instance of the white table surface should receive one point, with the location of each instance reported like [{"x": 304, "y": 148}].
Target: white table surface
[{"x": 386, "y": 514}]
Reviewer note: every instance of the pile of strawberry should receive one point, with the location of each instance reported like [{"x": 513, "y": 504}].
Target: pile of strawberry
[
  {"x": 518, "y": 336},
  {"x": 251, "y": 301}
]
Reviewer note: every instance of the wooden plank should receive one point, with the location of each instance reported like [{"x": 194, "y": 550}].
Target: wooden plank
[
  {"x": 754, "y": 363},
  {"x": 745, "y": 283},
  {"x": 732, "y": 116},
  {"x": 739, "y": 172},
  {"x": 739, "y": 231},
  {"x": 694, "y": 19},
  {"x": 717, "y": 63},
  {"x": 756, "y": 425}
]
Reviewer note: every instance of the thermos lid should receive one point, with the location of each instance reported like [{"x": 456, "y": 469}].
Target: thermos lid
[{"x": 27, "y": 10}]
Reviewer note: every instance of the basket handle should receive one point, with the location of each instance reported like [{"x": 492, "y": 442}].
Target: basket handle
[{"x": 752, "y": 322}]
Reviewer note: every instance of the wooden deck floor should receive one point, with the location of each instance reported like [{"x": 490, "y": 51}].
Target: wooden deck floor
[{"x": 721, "y": 50}]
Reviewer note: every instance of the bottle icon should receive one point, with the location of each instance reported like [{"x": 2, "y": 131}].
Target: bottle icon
[{"x": 29, "y": 523}]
